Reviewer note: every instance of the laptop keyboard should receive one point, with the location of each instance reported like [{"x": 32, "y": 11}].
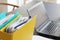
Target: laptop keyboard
[{"x": 51, "y": 29}]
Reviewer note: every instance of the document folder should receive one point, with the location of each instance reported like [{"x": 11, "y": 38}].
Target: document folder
[
  {"x": 24, "y": 33},
  {"x": 8, "y": 21},
  {"x": 11, "y": 22}
]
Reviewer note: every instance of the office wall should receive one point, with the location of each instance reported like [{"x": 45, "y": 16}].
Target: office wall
[
  {"x": 47, "y": 0},
  {"x": 40, "y": 0},
  {"x": 3, "y": 7},
  {"x": 52, "y": 1}
]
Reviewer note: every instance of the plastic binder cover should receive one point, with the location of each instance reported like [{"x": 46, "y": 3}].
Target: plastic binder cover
[
  {"x": 11, "y": 22},
  {"x": 24, "y": 33},
  {"x": 2, "y": 14}
]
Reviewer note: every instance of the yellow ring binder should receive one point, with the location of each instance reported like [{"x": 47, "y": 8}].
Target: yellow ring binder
[{"x": 24, "y": 33}]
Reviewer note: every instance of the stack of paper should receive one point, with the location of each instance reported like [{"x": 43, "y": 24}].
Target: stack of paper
[
  {"x": 16, "y": 25},
  {"x": 8, "y": 19},
  {"x": 12, "y": 22}
]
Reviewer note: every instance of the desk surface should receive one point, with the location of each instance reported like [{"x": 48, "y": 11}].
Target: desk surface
[{"x": 36, "y": 37}]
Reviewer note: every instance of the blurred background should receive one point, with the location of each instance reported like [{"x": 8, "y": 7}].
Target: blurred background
[{"x": 20, "y": 3}]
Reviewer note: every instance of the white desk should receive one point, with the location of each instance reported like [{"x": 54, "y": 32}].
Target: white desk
[{"x": 35, "y": 37}]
